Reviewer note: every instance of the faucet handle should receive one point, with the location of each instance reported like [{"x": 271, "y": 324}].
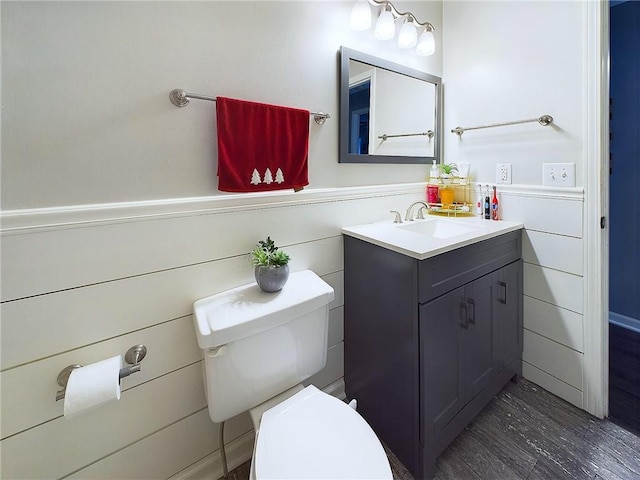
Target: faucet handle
[
  {"x": 420, "y": 215},
  {"x": 398, "y": 218}
]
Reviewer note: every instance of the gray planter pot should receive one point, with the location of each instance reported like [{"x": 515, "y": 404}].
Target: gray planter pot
[{"x": 271, "y": 279}]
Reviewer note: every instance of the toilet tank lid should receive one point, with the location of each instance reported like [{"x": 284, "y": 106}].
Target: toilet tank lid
[{"x": 244, "y": 311}]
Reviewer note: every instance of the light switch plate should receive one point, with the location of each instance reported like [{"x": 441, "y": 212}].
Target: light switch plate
[
  {"x": 559, "y": 174},
  {"x": 503, "y": 173}
]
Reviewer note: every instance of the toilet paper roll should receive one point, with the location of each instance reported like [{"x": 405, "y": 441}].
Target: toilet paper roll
[{"x": 92, "y": 386}]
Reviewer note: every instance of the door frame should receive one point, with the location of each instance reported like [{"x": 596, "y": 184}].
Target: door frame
[{"x": 596, "y": 206}]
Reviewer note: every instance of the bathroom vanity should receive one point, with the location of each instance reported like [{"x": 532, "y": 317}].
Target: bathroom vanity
[{"x": 433, "y": 330}]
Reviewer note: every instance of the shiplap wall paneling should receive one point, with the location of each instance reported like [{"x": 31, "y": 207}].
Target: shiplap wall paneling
[
  {"x": 238, "y": 451},
  {"x": 198, "y": 440},
  {"x": 564, "y": 363},
  {"x": 559, "y": 252},
  {"x": 102, "y": 252},
  {"x": 557, "y": 323},
  {"x": 553, "y": 286},
  {"x": 47, "y": 324},
  {"x": 544, "y": 212},
  {"x": 162, "y": 401},
  {"x": 141, "y": 460},
  {"x": 553, "y": 385},
  {"x": 28, "y": 393},
  {"x": 553, "y": 296},
  {"x": 62, "y": 446}
]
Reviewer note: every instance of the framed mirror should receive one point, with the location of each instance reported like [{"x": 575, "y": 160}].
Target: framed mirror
[{"x": 389, "y": 113}]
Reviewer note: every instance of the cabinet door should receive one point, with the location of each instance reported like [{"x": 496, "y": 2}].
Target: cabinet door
[
  {"x": 441, "y": 355},
  {"x": 478, "y": 336},
  {"x": 508, "y": 316}
]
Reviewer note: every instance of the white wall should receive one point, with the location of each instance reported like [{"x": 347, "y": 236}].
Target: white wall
[
  {"x": 86, "y": 116},
  {"x": 506, "y": 61},
  {"x": 112, "y": 225}
]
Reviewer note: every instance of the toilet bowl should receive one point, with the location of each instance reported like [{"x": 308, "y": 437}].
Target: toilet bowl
[
  {"x": 314, "y": 435},
  {"x": 258, "y": 349}
]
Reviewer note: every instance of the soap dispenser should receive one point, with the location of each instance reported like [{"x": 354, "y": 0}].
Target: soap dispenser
[{"x": 435, "y": 172}]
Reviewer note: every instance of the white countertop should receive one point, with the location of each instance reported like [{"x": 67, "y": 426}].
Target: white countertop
[{"x": 452, "y": 233}]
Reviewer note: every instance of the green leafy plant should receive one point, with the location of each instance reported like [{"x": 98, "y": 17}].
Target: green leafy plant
[
  {"x": 449, "y": 168},
  {"x": 266, "y": 254}
]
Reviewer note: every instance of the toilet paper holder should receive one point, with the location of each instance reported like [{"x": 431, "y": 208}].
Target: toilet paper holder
[{"x": 133, "y": 357}]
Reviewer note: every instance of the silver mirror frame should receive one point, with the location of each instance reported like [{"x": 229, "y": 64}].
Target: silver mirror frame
[{"x": 347, "y": 54}]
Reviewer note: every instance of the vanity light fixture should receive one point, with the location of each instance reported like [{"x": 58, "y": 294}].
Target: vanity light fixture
[
  {"x": 361, "y": 15},
  {"x": 426, "y": 44},
  {"x": 385, "y": 27},
  {"x": 408, "y": 36}
]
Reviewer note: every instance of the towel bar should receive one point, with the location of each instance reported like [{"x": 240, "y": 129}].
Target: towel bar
[
  {"x": 180, "y": 98},
  {"x": 428, "y": 133},
  {"x": 544, "y": 120}
]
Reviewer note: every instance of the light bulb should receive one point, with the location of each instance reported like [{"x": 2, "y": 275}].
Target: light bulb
[
  {"x": 385, "y": 26},
  {"x": 360, "y": 15},
  {"x": 408, "y": 36},
  {"x": 426, "y": 44}
]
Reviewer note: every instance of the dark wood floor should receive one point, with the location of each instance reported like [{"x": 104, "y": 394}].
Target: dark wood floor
[{"x": 528, "y": 433}]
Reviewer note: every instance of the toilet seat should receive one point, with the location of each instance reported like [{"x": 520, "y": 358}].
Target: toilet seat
[{"x": 313, "y": 435}]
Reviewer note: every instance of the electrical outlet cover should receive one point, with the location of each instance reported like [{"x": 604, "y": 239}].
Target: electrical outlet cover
[{"x": 503, "y": 173}]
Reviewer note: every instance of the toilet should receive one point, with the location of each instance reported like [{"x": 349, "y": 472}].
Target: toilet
[{"x": 258, "y": 349}]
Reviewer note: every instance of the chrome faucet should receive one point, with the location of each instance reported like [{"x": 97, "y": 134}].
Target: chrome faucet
[{"x": 409, "y": 217}]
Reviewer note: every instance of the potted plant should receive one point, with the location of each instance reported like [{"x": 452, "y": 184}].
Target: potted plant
[
  {"x": 271, "y": 266},
  {"x": 447, "y": 172}
]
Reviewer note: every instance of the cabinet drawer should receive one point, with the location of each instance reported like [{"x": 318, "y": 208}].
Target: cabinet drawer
[{"x": 443, "y": 273}]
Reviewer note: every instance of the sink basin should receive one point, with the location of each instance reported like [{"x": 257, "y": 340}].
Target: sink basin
[
  {"x": 432, "y": 236},
  {"x": 438, "y": 228}
]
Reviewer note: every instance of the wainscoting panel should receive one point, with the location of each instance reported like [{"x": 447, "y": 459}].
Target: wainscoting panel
[
  {"x": 141, "y": 459},
  {"x": 333, "y": 370},
  {"x": 39, "y": 325},
  {"x": 82, "y": 289},
  {"x": 28, "y": 392},
  {"x": 553, "y": 254},
  {"x": 553, "y": 385},
  {"x": 554, "y": 287},
  {"x": 336, "y": 326},
  {"x": 563, "y": 363},
  {"x": 553, "y": 322},
  {"x": 61, "y": 446},
  {"x": 557, "y": 211},
  {"x": 81, "y": 285},
  {"x": 90, "y": 253},
  {"x": 559, "y": 252}
]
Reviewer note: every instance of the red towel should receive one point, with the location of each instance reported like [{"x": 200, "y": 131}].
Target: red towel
[{"x": 261, "y": 147}]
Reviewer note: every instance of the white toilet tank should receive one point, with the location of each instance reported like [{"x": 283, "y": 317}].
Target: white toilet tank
[{"x": 257, "y": 345}]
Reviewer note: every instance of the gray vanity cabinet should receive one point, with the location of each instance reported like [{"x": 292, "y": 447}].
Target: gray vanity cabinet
[
  {"x": 508, "y": 324},
  {"x": 428, "y": 343},
  {"x": 456, "y": 347}
]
